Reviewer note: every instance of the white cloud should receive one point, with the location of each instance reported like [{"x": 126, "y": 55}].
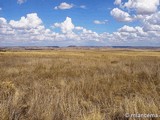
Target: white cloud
[
  {"x": 30, "y": 29},
  {"x": 135, "y": 9},
  {"x": 5, "y": 29},
  {"x": 30, "y": 21},
  {"x": 100, "y": 22},
  {"x": 127, "y": 29},
  {"x": 89, "y": 35},
  {"x": 143, "y": 6},
  {"x": 131, "y": 35},
  {"x": 3, "y": 21},
  {"x": 21, "y": 1},
  {"x": 0, "y": 8},
  {"x": 153, "y": 19},
  {"x": 64, "y": 6},
  {"x": 152, "y": 22},
  {"x": 117, "y": 2},
  {"x": 121, "y": 15},
  {"x": 67, "y": 26}
]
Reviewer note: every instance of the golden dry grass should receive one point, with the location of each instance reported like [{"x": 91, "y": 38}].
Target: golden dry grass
[{"x": 79, "y": 84}]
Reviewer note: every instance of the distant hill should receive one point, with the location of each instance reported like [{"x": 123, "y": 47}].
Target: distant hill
[{"x": 75, "y": 47}]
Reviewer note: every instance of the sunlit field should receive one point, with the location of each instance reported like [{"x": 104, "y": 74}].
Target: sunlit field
[{"x": 74, "y": 84}]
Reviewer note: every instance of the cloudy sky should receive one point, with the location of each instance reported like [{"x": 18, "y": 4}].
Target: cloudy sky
[{"x": 80, "y": 22}]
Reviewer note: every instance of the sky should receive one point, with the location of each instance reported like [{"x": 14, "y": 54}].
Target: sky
[{"x": 80, "y": 22}]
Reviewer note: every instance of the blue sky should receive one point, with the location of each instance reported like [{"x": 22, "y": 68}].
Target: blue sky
[
  {"x": 45, "y": 10},
  {"x": 79, "y": 22}
]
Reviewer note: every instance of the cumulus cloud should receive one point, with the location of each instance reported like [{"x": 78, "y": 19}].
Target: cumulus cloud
[
  {"x": 4, "y": 28},
  {"x": 69, "y": 29},
  {"x": 26, "y": 29},
  {"x": 121, "y": 15},
  {"x": 152, "y": 22},
  {"x": 30, "y": 29},
  {"x": 21, "y": 1},
  {"x": 64, "y": 6},
  {"x": 153, "y": 19},
  {"x": 143, "y": 6},
  {"x": 128, "y": 34},
  {"x": 30, "y": 21},
  {"x": 126, "y": 29},
  {"x": 67, "y": 26},
  {"x": 117, "y": 2},
  {"x": 139, "y": 31},
  {"x": 3, "y": 21},
  {"x": 146, "y": 12},
  {"x": 100, "y": 22},
  {"x": 135, "y": 9}
]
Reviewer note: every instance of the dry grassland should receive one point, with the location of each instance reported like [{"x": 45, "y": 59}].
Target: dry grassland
[{"x": 79, "y": 84}]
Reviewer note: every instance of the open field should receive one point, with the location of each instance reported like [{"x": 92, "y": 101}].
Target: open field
[{"x": 72, "y": 84}]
